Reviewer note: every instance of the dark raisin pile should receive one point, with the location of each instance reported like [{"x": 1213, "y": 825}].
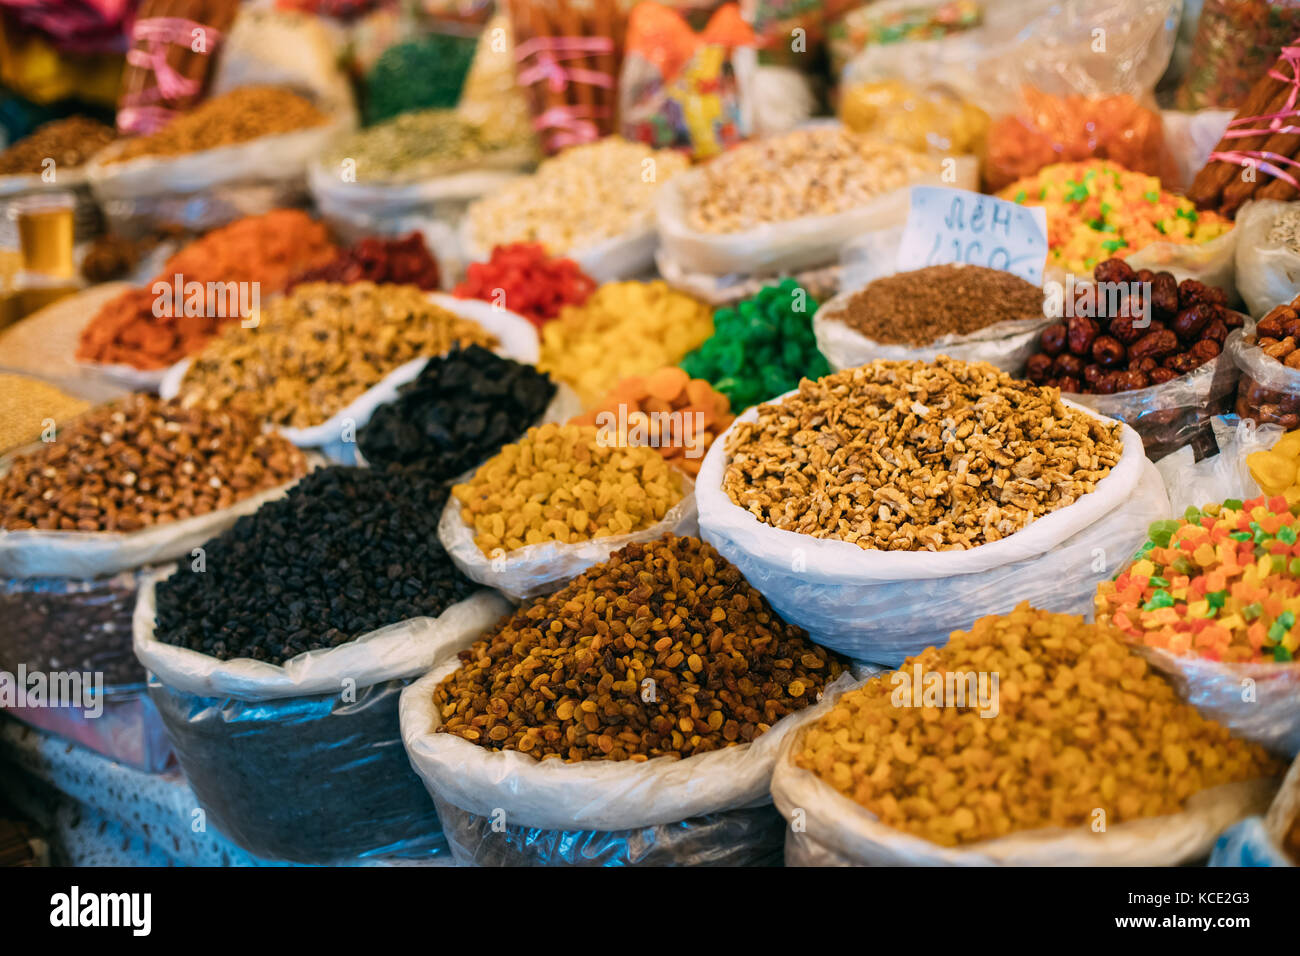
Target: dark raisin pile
[
  {"x": 463, "y": 407},
  {"x": 347, "y": 551}
]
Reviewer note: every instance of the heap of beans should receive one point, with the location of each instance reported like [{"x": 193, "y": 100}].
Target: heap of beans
[
  {"x": 27, "y": 405},
  {"x": 667, "y": 410},
  {"x": 566, "y": 483},
  {"x": 261, "y": 252},
  {"x": 404, "y": 261},
  {"x": 625, "y": 328},
  {"x": 463, "y": 407},
  {"x": 141, "y": 462},
  {"x": 521, "y": 277},
  {"x": 760, "y": 347},
  {"x": 565, "y": 676},
  {"x": 346, "y": 552},
  {"x": 1082, "y": 724},
  {"x": 918, "y": 307},
  {"x": 1122, "y": 349},
  {"x": 581, "y": 197},
  {"x": 69, "y": 142},
  {"x": 239, "y": 116},
  {"x": 1222, "y": 583},
  {"x": 916, "y": 456},
  {"x": 319, "y": 348}
]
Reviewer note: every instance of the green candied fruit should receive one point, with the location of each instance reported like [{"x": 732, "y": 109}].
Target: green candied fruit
[
  {"x": 1281, "y": 655},
  {"x": 1158, "y": 600}
]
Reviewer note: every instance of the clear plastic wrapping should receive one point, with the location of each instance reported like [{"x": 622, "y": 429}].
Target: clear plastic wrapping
[
  {"x": 1269, "y": 392},
  {"x": 1268, "y": 274},
  {"x": 507, "y": 808},
  {"x": 883, "y": 606}
]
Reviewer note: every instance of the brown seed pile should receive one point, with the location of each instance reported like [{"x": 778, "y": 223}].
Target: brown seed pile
[
  {"x": 69, "y": 142},
  {"x": 1082, "y": 724},
  {"x": 918, "y": 307},
  {"x": 243, "y": 114},
  {"x": 28, "y": 405},
  {"x": 566, "y": 483},
  {"x": 664, "y": 649},
  {"x": 142, "y": 462},
  {"x": 916, "y": 456},
  {"x": 318, "y": 348}
]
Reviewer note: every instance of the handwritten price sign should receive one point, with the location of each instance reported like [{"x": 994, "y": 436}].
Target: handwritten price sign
[{"x": 955, "y": 226}]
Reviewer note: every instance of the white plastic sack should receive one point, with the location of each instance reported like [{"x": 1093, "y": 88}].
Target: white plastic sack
[
  {"x": 1005, "y": 345},
  {"x": 884, "y": 606},
  {"x": 1270, "y": 717},
  {"x": 90, "y": 554},
  {"x": 1213, "y": 480},
  {"x": 720, "y": 291},
  {"x": 125, "y": 376},
  {"x": 518, "y": 341},
  {"x": 538, "y": 569},
  {"x": 591, "y": 794},
  {"x": 840, "y": 832},
  {"x": 804, "y": 243},
  {"x": 399, "y": 650},
  {"x": 1267, "y": 274},
  {"x": 1190, "y": 138},
  {"x": 1174, "y": 414},
  {"x": 1213, "y": 263},
  {"x": 627, "y": 256}
]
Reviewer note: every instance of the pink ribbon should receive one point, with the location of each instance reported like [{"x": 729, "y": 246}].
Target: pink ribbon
[
  {"x": 570, "y": 124},
  {"x": 1244, "y": 126},
  {"x": 157, "y": 33}
]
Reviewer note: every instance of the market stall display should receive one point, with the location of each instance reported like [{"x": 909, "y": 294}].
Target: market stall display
[
  {"x": 1211, "y": 599},
  {"x": 621, "y": 329},
  {"x": 523, "y": 278},
  {"x": 66, "y": 143},
  {"x": 968, "y": 312},
  {"x": 593, "y": 203},
  {"x": 662, "y": 685},
  {"x": 402, "y": 261},
  {"x": 279, "y": 687},
  {"x": 931, "y": 119},
  {"x": 668, "y": 410},
  {"x": 903, "y": 771},
  {"x": 881, "y": 507},
  {"x": 462, "y": 409},
  {"x": 1269, "y": 361},
  {"x": 1096, "y": 210},
  {"x": 29, "y": 407}
]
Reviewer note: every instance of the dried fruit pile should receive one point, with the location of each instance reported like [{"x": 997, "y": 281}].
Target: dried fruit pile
[
  {"x": 347, "y": 551},
  {"x": 913, "y": 456},
  {"x": 463, "y": 407},
  {"x": 1222, "y": 583},
  {"x": 142, "y": 462},
  {"x": 566, "y": 483},
  {"x": 521, "y": 277},
  {"x": 1082, "y": 724},
  {"x": 663, "y": 650},
  {"x": 404, "y": 261}
]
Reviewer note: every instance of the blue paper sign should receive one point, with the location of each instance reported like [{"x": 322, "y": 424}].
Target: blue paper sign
[{"x": 956, "y": 226}]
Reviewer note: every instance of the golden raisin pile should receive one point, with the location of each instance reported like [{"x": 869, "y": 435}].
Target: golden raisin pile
[
  {"x": 916, "y": 456},
  {"x": 1082, "y": 724},
  {"x": 566, "y": 483},
  {"x": 664, "y": 649}
]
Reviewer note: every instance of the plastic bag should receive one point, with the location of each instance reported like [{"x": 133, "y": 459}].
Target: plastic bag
[
  {"x": 627, "y": 256},
  {"x": 538, "y": 569},
  {"x": 884, "y": 24},
  {"x": 1267, "y": 274},
  {"x": 1269, "y": 392},
  {"x": 840, "y": 832},
  {"x": 926, "y": 119},
  {"x": 1248, "y": 844},
  {"x": 1236, "y": 42},
  {"x": 804, "y": 243},
  {"x": 204, "y": 190},
  {"x": 1174, "y": 414},
  {"x": 683, "y": 90},
  {"x": 658, "y": 811},
  {"x": 1269, "y": 717},
  {"x": 1217, "y": 478},
  {"x": 1190, "y": 137},
  {"x": 1213, "y": 263},
  {"x": 883, "y": 606},
  {"x": 90, "y": 554},
  {"x": 303, "y": 761},
  {"x": 1006, "y": 345},
  {"x": 719, "y": 291},
  {"x": 336, "y": 436}
]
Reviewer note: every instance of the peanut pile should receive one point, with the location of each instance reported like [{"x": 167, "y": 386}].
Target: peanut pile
[
  {"x": 142, "y": 462},
  {"x": 806, "y": 172},
  {"x": 566, "y": 483},
  {"x": 319, "y": 348},
  {"x": 664, "y": 649},
  {"x": 1081, "y": 725},
  {"x": 916, "y": 456}
]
